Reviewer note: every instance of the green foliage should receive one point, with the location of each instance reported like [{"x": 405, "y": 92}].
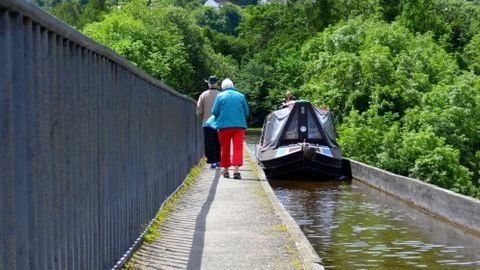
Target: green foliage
[
  {"x": 420, "y": 15},
  {"x": 319, "y": 14},
  {"x": 357, "y": 64},
  {"x": 475, "y": 165},
  {"x": 425, "y": 156},
  {"x": 265, "y": 26},
  {"x": 441, "y": 167},
  {"x": 69, "y": 12},
  {"x": 452, "y": 22},
  {"x": 79, "y": 13},
  {"x": 388, "y": 157},
  {"x": 224, "y": 19},
  {"x": 471, "y": 54},
  {"x": 244, "y": 2},
  {"x": 451, "y": 113},
  {"x": 94, "y": 11},
  {"x": 47, "y": 3},
  {"x": 360, "y": 136},
  {"x": 272, "y": 36},
  {"x": 322, "y": 13},
  {"x": 401, "y": 77},
  {"x": 226, "y": 45},
  {"x": 196, "y": 51},
  {"x": 187, "y": 4},
  {"x": 390, "y": 9},
  {"x": 153, "y": 47},
  {"x": 462, "y": 21},
  {"x": 415, "y": 145},
  {"x": 255, "y": 82},
  {"x": 164, "y": 41},
  {"x": 399, "y": 100}
]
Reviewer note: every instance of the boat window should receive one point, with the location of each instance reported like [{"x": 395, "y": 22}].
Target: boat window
[
  {"x": 292, "y": 131},
  {"x": 313, "y": 128}
]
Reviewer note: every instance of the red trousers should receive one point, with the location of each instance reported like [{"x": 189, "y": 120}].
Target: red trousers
[{"x": 228, "y": 136}]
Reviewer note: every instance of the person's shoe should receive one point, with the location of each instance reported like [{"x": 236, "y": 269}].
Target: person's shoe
[
  {"x": 226, "y": 174},
  {"x": 237, "y": 175},
  {"x": 213, "y": 165}
]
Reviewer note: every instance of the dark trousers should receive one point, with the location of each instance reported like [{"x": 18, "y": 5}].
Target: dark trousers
[{"x": 212, "y": 145}]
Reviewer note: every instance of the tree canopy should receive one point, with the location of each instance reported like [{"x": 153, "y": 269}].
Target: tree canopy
[{"x": 401, "y": 77}]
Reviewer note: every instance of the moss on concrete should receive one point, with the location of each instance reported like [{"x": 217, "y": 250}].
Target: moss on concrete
[{"x": 154, "y": 231}]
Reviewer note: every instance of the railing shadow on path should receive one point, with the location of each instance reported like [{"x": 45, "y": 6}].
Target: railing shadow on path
[
  {"x": 182, "y": 236},
  {"x": 195, "y": 258}
]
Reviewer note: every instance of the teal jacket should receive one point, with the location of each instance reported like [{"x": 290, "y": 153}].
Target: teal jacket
[{"x": 230, "y": 109}]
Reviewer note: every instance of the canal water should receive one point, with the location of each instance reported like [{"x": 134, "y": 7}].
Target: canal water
[{"x": 353, "y": 226}]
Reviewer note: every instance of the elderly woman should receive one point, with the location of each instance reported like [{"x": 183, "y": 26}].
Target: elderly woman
[{"x": 231, "y": 111}]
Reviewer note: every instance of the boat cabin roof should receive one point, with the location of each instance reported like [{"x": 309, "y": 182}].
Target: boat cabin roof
[{"x": 298, "y": 122}]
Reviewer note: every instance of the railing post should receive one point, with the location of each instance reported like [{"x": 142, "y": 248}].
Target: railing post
[{"x": 90, "y": 146}]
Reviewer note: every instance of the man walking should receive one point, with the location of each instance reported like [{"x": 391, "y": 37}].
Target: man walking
[{"x": 204, "y": 111}]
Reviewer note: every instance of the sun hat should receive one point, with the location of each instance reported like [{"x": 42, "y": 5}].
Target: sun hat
[{"x": 212, "y": 79}]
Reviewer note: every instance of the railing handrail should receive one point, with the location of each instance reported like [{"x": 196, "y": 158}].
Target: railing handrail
[
  {"x": 90, "y": 145},
  {"x": 45, "y": 19}
]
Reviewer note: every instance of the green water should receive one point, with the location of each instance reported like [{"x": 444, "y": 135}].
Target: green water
[{"x": 352, "y": 226}]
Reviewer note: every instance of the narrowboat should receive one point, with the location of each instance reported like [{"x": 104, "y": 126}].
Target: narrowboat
[{"x": 299, "y": 141}]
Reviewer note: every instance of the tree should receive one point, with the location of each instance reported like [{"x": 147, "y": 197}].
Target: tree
[
  {"x": 389, "y": 71},
  {"x": 390, "y": 9},
  {"x": 226, "y": 45},
  {"x": 164, "y": 41},
  {"x": 224, "y": 19},
  {"x": 272, "y": 36},
  {"x": 155, "y": 48},
  {"x": 452, "y": 23},
  {"x": 471, "y": 54},
  {"x": 94, "y": 11},
  {"x": 69, "y": 12},
  {"x": 420, "y": 15}
]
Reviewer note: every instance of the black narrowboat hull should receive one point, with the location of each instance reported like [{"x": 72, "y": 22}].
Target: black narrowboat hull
[{"x": 300, "y": 160}]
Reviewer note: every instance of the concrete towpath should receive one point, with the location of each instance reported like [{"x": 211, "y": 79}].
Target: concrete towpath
[{"x": 223, "y": 223}]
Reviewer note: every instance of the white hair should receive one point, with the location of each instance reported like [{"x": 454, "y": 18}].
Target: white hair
[{"x": 227, "y": 83}]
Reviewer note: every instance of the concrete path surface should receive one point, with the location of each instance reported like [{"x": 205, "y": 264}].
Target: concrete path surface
[{"x": 221, "y": 223}]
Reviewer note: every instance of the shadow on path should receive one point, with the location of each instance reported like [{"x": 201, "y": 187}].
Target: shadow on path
[
  {"x": 182, "y": 239},
  {"x": 195, "y": 258}
]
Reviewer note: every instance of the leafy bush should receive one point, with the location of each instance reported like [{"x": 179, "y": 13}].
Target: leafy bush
[
  {"x": 442, "y": 168},
  {"x": 164, "y": 41},
  {"x": 158, "y": 51}
]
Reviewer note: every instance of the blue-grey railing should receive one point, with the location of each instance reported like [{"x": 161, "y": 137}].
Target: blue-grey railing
[{"x": 90, "y": 146}]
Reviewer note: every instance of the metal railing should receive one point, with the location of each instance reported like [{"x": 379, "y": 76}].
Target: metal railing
[{"x": 90, "y": 146}]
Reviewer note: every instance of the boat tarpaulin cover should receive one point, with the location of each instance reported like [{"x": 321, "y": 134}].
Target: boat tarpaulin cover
[{"x": 276, "y": 122}]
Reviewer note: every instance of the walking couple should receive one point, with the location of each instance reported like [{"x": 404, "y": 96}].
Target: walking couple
[{"x": 224, "y": 120}]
